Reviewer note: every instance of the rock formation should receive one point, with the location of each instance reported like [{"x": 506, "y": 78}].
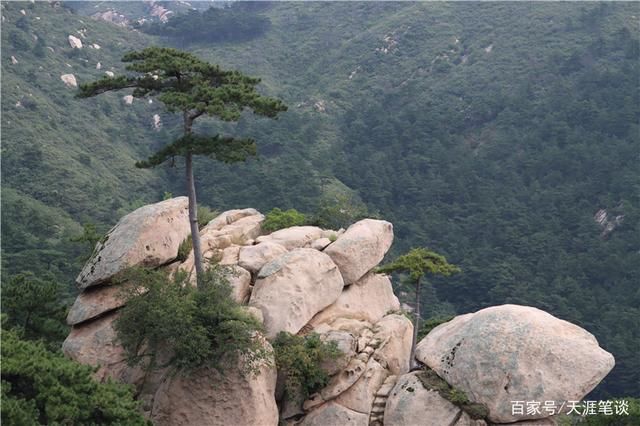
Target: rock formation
[
  {"x": 515, "y": 353},
  {"x": 298, "y": 280},
  {"x": 69, "y": 80}
]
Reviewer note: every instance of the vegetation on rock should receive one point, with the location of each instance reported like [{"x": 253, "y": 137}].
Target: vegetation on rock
[
  {"x": 168, "y": 322},
  {"x": 278, "y": 219},
  {"x": 300, "y": 358},
  {"x": 419, "y": 262}
]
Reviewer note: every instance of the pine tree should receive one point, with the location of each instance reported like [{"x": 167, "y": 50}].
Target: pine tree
[
  {"x": 192, "y": 87},
  {"x": 419, "y": 262}
]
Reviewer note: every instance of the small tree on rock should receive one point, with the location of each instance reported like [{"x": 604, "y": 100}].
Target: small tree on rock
[
  {"x": 192, "y": 87},
  {"x": 418, "y": 262}
]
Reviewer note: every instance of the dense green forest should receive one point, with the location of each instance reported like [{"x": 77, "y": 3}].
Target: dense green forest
[{"x": 493, "y": 133}]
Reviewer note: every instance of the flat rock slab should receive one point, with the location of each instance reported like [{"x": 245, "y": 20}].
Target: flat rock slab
[
  {"x": 515, "y": 353},
  {"x": 149, "y": 236}
]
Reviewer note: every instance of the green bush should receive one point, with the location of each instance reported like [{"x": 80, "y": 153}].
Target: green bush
[
  {"x": 43, "y": 387},
  {"x": 197, "y": 326},
  {"x": 205, "y": 215},
  {"x": 300, "y": 359},
  {"x": 278, "y": 219},
  {"x": 184, "y": 249},
  {"x": 35, "y": 308},
  {"x": 339, "y": 211}
]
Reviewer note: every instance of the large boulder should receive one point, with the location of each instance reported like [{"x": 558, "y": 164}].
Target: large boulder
[
  {"x": 369, "y": 299},
  {"x": 294, "y": 237},
  {"x": 149, "y": 236},
  {"x": 361, "y": 248},
  {"x": 207, "y": 397},
  {"x": 253, "y": 258},
  {"x": 240, "y": 282},
  {"x": 515, "y": 353},
  {"x": 291, "y": 289},
  {"x": 410, "y": 403}
]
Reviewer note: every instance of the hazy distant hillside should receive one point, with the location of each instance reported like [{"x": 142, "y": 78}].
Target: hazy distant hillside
[{"x": 495, "y": 133}]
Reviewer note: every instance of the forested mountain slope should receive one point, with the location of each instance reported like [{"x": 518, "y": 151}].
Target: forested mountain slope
[{"x": 491, "y": 132}]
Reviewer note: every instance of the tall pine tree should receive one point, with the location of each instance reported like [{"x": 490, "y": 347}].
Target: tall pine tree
[{"x": 192, "y": 87}]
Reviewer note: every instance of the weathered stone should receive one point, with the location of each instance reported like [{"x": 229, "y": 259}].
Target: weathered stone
[
  {"x": 255, "y": 312},
  {"x": 230, "y": 255},
  {"x": 320, "y": 243},
  {"x": 94, "y": 343},
  {"x": 75, "y": 42},
  {"x": 335, "y": 414},
  {"x": 228, "y": 217},
  {"x": 361, "y": 248},
  {"x": 207, "y": 397},
  {"x": 291, "y": 289},
  {"x": 94, "y": 302},
  {"x": 240, "y": 281},
  {"x": 244, "y": 229},
  {"x": 69, "y": 80},
  {"x": 369, "y": 299},
  {"x": 294, "y": 237},
  {"x": 346, "y": 344},
  {"x": 253, "y": 258},
  {"x": 360, "y": 396},
  {"x": 395, "y": 334},
  {"x": 149, "y": 236},
  {"x": 410, "y": 403},
  {"x": 509, "y": 353}
]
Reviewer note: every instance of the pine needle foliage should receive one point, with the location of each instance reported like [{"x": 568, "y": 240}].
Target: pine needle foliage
[
  {"x": 300, "y": 358},
  {"x": 171, "y": 323},
  {"x": 417, "y": 263},
  {"x": 41, "y": 387},
  {"x": 188, "y": 85}
]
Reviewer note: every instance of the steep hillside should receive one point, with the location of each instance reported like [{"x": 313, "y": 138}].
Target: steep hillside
[{"x": 502, "y": 135}]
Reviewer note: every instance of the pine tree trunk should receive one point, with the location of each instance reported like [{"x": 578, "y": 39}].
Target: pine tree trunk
[
  {"x": 193, "y": 207},
  {"x": 416, "y": 327},
  {"x": 193, "y": 219}
]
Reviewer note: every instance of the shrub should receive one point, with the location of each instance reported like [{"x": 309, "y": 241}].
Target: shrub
[
  {"x": 35, "y": 308},
  {"x": 278, "y": 219},
  {"x": 339, "y": 211},
  {"x": 196, "y": 326},
  {"x": 205, "y": 215},
  {"x": 43, "y": 387},
  {"x": 300, "y": 359},
  {"x": 184, "y": 249}
]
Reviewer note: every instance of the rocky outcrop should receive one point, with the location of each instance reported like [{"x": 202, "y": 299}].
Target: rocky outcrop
[
  {"x": 510, "y": 353},
  {"x": 291, "y": 289},
  {"x": 294, "y": 280},
  {"x": 149, "y": 236},
  {"x": 361, "y": 248}
]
